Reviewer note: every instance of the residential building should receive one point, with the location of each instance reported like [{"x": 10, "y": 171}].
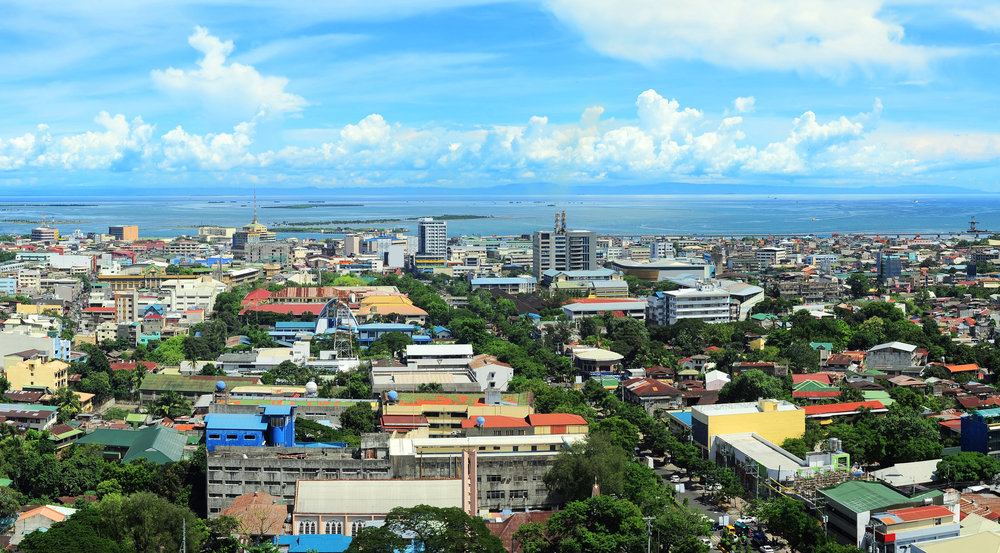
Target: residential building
[
  {"x": 635, "y": 309},
  {"x": 772, "y": 419},
  {"x": 34, "y": 372},
  {"x": 895, "y": 357},
  {"x": 192, "y": 294},
  {"x": 29, "y": 280},
  {"x": 432, "y": 237},
  {"x": 157, "y": 444},
  {"x": 126, "y": 306},
  {"x": 190, "y": 387},
  {"x": 708, "y": 303},
  {"x": 889, "y": 266},
  {"x": 445, "y": 412},
  {"x": 268, "y": 252},
  {"x": 563, "y": 249},
  {"x": 35, "y": 417},
  {"x": 39, "y": 518},
  {"x": 652, "y": 395},
  {"x": 124, "y": 232},
  {"x": 273, "y": 426},
  {"x": 769, "y": 256},
  {"x": 475, "y": 375}
]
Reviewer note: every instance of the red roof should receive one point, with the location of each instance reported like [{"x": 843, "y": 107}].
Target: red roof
[
  {"x": 816, "y": 394},
  {"x": 838, "y": 408},
  {"x": 122, "y": 366},
  {"x": 818, "y": 377},
  {"x": 287, "y": 308},
  {"x": 605, "y": 300},
  {"x": 153, "y": 316},
  {"x": 403, "y": 420},
  {"x": 99, "y": 310},
  {"x": 258, "y": 294},
  {"x": 962, "y": 368},
  {"x": 649, "y": 387},
  {"x": 496, "y": 421},
  {"x": 922, "y": 513},
  {"x": 555, "y": 419}
]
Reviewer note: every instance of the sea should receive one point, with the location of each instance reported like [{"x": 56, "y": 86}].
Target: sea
[{"x": 731, "y": 215}]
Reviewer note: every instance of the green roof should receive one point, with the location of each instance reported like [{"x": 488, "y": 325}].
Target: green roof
[
  {"x": 763, "y": 316},
  {"x": 157, "y": 443},
  {"x": 6, "y": 481},
  {"x": 814, "y": 386},
  {"x": 606, "y": 381},
  {"x": 828, "y": 346},
  {"x": 64, "y": 435},
  {"x": 860, "y": 496},
  {"x": 181, "y": 383}
]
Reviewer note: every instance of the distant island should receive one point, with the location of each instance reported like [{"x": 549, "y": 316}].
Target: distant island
[
  {"x": 339, "y": 230},
  {"x": 392, "y": 220}
]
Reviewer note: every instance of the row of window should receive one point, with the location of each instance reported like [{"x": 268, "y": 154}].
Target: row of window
[
  {"x": 231, "y": 437},
  {"x": 499, "y": 494},
  {"x": 331, "y": 527}
]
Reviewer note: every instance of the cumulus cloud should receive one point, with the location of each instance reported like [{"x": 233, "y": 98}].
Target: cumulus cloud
[
  {"x": 235, "y": 86},
  {"x": 664, "y": 140},
  {"x": 831, "y": 38}
]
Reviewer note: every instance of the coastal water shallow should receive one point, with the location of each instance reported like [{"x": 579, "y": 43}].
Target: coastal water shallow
[{"x": 727, "y": 214}]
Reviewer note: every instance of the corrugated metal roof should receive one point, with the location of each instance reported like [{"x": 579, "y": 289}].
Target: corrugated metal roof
[{"x": 374, "y": 496}]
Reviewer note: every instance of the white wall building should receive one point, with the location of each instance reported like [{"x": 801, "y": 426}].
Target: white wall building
[
  {"x": 432, "y": 237},
  {"x": 708, "y": 303}
]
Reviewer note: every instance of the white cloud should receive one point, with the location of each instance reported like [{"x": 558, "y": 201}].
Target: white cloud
[
  {"x": 744, "y": 105},
  {"x": 235, "y": 86},
  {"x": 985, "y": 16},
  {"x": 665, "y": 140},
  {"x": 831, "y": 38}
]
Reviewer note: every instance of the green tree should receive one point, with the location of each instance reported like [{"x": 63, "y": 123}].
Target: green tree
[
  {"x": 68, "y": 402},
  {"x": 796, "y": 446},
  {"x": 209, "y": 369},
  {"x": 171, "y": 404},
  {"x": 115, "y": 413},
  {"x": 439, "y": 529},
  {"x": 580, "y": 465},
  {"x": 620, "y": 432},
  {"x": 801, "y": 357},
  {"x": 750, "y": 386},
  {"x": 850, "y": 394},
  {"x": 859, "y": 284},
  {"x": 395, "y": 342},
  {"x": 358, "y": 419},
  {"x": 10, "y": 504},
  {"x": 148, "y": 523},
  {"x": 968, "y": 466},
  {"x": 600, "y": 524},
  {"x": 84, "y": 532}
]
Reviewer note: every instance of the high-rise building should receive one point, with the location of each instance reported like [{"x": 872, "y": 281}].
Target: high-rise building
[
  {"x": 126, "y": 232},
  {"x": 888, "y": 266},
  {"x": 126, "y": 306},
  {"x": 563, "y": 249},
  {"x": 432, "y": 237}
]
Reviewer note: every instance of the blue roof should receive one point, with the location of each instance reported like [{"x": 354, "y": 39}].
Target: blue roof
[
  {"x": 321, "y": 543},
  {"x": 504, "y": 280},
  {"x": 388, "y": 327},
  {"x": 440, "y": 329},
  {"x": 419, "y": 338},
  {"x": 278, "y": 410},
  {"x": 684, "y": 417},
  {"x": 219, "y": 421}
]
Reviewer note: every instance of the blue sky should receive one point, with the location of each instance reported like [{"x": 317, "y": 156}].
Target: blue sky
[{"x": 467, "y": 94}]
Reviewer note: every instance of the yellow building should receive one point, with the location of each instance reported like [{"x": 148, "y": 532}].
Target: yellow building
[
  {"x": 758, "y": 344},
  {"x": 30, "y": 309},
  {"x": 772, "y": 419},
  {"x": 35, "y": 373},
  {"x": 446, "y": 412}
]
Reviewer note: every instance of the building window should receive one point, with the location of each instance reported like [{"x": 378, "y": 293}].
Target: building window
[
  {"x": 493, "y": 478},
  {"x": 307, "y": 527},
  {"x": 356, "y": 527},
  {"x": 517, "y": 494},
  {"x": 494, "y": 494},
  {"x": 515, "y": 448},
  {"x": 534, "y": 448},
  {"x": 249, "y": 437},
  {"x": 232, "y": 437},
  {"x": 334, "y": 527}
]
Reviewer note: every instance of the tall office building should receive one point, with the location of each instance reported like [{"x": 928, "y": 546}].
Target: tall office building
[
  {"x": 124, "y": 232},
  {"x": 432, "y": 237},
  {"x": 564, "y": 249}
]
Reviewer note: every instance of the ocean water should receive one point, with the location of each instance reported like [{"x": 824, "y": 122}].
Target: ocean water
[{"x": 728, "y": 214}]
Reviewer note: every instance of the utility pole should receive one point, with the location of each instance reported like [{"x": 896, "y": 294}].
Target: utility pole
[
  {"x": 649, "y": 533},
  {"x": 184, "y": 534}
]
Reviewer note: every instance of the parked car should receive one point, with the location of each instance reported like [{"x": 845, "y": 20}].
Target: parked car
[
  {"x": 675, "y": 478},
  {"x": 766, "y": 549}
]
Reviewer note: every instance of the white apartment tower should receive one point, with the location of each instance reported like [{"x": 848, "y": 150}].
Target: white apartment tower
[
  {"x": 432, "y": 237},
  {"x": 564, "y": 249}
]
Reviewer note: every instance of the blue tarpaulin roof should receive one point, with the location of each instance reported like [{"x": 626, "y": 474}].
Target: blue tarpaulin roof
[{"x": 220, "y": 421}]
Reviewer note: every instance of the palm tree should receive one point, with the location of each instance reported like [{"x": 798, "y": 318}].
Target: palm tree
[
  {"x": 171, "y": 404},
  {"x": 68, "y": 402}
]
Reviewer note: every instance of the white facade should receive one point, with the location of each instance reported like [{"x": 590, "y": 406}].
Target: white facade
[
  {"x": 708, "y": 303},
  {"x": 199, "y": 294},
  {"x": 770, "y": 256},
  {"x": 432, "y": 237}
]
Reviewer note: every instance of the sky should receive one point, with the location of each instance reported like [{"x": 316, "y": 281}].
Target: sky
[{"x": 221, "y": 95}]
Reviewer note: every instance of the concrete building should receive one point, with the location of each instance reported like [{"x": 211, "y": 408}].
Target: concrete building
[
  {"x": 432, "y": 237},
  {"x": 39, "y": 518},
  {"x": 770, "y": 256},
  {"x": 34, "y": 372},
  {"x": 708, "y": 303},
  {"x": 35, "y": 417},
  {"x": 476, "y": 375},
  {"x": 346, "y": 506},
  {"x": 896, "y": 530},
  {"x": 765, "y": 468},
  {"x": 268, "y": 252},
  {"x": 563, "y": 249},
  {"x": 849, "y": 506},
  {"x": 192, "y": 294},
  {"x": 272, "y": 426},
  {"x": 29, "y": 280},
  {"x": 445, "y": 412},
  {"x": 772, "y": 419},
  {"x": 157, "y": 444},
  {"x": 665, "y": 269},
  {"x": 124, "y": 232},
  {"x": 635, "y": 309},
  {"x": 511, "y": 285},
  {"x": 895, "y": 357},
  {"x": 126, "y": 306}
]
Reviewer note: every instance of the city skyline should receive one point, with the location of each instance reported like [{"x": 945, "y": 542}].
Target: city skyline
[{"x": 477, "y": 94}]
